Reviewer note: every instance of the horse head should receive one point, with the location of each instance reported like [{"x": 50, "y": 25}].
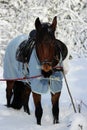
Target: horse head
[{"x": 45, "y": 45}]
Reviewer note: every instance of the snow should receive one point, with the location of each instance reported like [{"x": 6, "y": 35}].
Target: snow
[
  {"x": 79, "y": 122},
  {"x": 11, "y": 119},
  {"x": 17, "y": 17}
]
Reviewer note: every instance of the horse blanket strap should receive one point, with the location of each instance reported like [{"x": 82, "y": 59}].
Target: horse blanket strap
[{"x": 24, "y": 50}]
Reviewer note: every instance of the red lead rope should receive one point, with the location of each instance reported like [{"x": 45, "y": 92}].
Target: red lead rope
[{"x": 24, "y": 78}]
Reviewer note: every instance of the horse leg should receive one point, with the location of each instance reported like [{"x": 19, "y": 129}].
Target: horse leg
[
  {"x": 9, "y": 88},
  {"x": 55, "y": 107},
  {"x": 38, "y": 107},
  {"x": 26, "y": 96}
]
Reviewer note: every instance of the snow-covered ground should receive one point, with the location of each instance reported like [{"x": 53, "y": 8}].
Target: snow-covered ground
[
  {"x": 11, "y": 119},
  {"x": 18, "y": 17}
]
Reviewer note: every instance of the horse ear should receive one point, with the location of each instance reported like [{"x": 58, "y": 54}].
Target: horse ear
[
  {"x": 38, "y": 24},
  {"x": 54, "y": 23}
]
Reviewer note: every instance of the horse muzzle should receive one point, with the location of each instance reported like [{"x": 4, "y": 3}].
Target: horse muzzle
[
  {"x": 46, "y": 70},
  {"x": 46, "y": 67}
]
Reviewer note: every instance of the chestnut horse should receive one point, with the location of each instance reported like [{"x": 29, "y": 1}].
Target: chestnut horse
[{"x": 49, "y": 51}]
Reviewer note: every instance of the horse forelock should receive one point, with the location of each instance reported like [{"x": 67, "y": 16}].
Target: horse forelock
[
  {"x": 45, "y": 34},
  {"x": 45, "y": 40}
]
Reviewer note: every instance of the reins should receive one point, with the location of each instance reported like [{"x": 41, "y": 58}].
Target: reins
[
  {"x": 69, "y": 91},
  {"x": 24, "y": 78},
  {"x": 16, "y": 79},
  {"x": 38, "y": 76}
]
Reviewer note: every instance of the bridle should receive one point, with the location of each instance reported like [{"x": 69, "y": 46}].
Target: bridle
[{"x": 46, "y": 62}]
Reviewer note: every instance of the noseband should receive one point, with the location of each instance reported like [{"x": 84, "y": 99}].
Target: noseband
[{"x": 46, "y": 62}]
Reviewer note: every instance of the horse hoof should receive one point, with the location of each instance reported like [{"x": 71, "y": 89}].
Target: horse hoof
[
  {"x": 38, "y": 123},
  {"x": 55, "y": 122},
  {"x": 8, "y": 105},
  {"x": 27, "y": 111}
]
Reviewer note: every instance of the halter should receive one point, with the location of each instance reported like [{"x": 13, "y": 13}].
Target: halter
[
  {"x": 46, "y": 62},
  {"x": 50, "y": 63}
]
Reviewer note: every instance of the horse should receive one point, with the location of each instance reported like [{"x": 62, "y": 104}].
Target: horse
[
  {"x": 20, "y": 96},
  {"x": 49, "y": 53}
]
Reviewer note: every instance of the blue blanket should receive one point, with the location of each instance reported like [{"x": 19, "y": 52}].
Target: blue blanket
[{"x": 14, "y": 69}]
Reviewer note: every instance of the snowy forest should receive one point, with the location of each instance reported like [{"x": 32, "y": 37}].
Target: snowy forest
[{"x": 18, "y": 17}]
